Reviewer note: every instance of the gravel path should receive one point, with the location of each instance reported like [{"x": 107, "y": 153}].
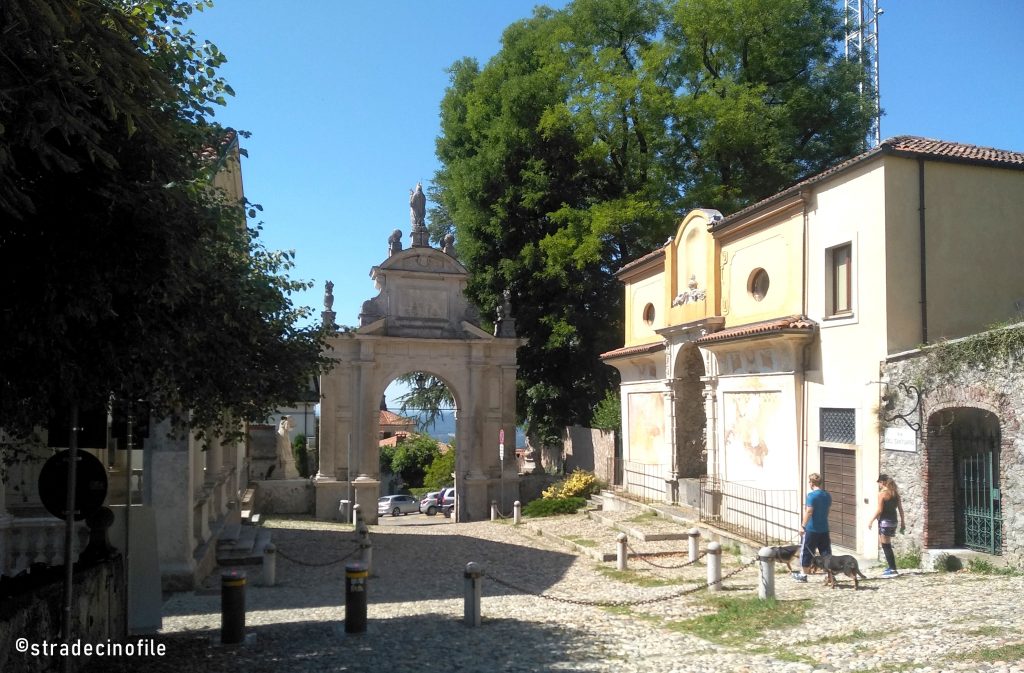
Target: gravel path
[{"x": 925, "y": 622}]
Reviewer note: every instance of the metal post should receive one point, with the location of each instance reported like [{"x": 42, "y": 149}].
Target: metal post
[
  {"x": 474, "y": 588},
  {"x": 355, "y": 514},
  {"x": 694, "y": 550},
  {"x": 517, "y": 512},
  {"x": 620, "y": 558},
  {"x": 269, "y": 565},
  {"x": 494, "y": 510},
  {"x": 766, "y": 587},
  {"x": 714, "y": 566},
  {"x": 232, "y": 607},
  {"x": 356, "y": 574},
  {"x": 69, "y": 531},
  {"x": 343, "y": 510}
]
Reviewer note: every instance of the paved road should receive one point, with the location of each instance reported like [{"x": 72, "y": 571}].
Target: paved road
[{"x": 924, "y": 622}]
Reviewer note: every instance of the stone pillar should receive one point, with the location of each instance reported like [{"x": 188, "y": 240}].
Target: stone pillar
[
  {"x": 169, "y": 486},
  {"x": 367, "y": 491}
]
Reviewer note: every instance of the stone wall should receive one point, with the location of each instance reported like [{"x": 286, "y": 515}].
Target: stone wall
[
  {"x": 924, "y": 477},
  {"x": 98, "y": 615},
  {"x": 284, "y": 496},
  {"x": 589, "y": 449}
]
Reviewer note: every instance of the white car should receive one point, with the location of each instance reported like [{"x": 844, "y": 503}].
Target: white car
[{"x": 397, "y": 504}]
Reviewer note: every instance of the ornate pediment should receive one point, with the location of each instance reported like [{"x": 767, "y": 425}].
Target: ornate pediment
[{"x": 421, "y": 260}]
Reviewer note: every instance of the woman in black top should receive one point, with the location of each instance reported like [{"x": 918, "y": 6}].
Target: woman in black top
[{"x": 889, "y": 506}]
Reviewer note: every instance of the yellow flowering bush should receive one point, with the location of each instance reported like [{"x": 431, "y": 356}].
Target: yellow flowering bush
[{"x": 579, "y": 484}]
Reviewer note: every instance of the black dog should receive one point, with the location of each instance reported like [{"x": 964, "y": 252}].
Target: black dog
[
  {"x": 785, "y": 554},
  {"x": 834, "y": 565}
]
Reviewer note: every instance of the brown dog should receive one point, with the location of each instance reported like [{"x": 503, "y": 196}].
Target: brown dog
[
  {"x": 785, "y": 554},
  {"x": 833, "y": 565}
]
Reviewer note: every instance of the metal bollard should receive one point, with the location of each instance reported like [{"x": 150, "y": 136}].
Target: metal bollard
[
  {"x": 494, "y": 510},
  {"x": 356, "y": 574},
  {"x": 766, "y": 588},
  {"x": 517, "y": 512},
  {"x": 232, "y": 607},
  {"x": 269, "y": 565},
  {"x": 474, "y": 588},
  {"x": 714, "y": 566},
  {"x": 694, "y": 550},
  {"x": 620, "y": 557},
  {"x": 343, "y": 510},
  {"x": 356, "y": 514}
]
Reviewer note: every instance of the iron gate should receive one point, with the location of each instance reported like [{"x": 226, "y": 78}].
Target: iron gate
[{"x": 979, "y": 517}]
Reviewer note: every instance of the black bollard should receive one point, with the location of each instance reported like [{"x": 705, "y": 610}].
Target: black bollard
[
  {"x": 232, "y": 607},
  {"x": 356, "y": 573}
]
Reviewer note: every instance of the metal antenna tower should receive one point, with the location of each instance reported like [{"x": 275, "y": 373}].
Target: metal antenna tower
[{"x": 861, "y": 20}]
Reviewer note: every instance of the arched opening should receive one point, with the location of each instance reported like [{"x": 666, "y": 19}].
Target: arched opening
[
  {"x": 964, "y": 504},
  {"x": 417, "y": 434}
]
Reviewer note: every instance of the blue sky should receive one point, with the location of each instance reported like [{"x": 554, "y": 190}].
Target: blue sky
[{"x": 342, "y": 100}]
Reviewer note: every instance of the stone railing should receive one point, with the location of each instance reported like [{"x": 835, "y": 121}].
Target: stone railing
[{"x": 38, "y": 539}]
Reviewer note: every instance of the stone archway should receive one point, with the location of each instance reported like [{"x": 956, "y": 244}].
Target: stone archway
[{"x": 420, "y": 321}]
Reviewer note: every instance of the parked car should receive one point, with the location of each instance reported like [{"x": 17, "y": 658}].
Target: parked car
[
  {"x": 447, "y": 500},
  {"x": 430, "y": 505},
  {"x": 397, "y": 504}
]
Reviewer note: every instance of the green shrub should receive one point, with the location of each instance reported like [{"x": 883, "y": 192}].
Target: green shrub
[
  {"x": 909, "y": 558},
  {"x": 983, "y": 566},
  {"x": 299, "y": 453},
  {"x": 579, "y": 484},
  {"x": 553, "y": 506}
]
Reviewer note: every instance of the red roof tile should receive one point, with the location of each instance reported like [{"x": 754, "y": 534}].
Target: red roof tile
[
  {"x": 792, "y": 323},
  {"x": 633, "y": 350},
  {"x": 901, "y": 146}
]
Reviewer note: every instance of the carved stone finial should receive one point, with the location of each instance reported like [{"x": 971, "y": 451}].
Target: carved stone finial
[
  {"x": 395, "y": 242},
  {"x": 449, "y": 245},
  {"x": 328, "y": 295},
  {"x": 505, "y": 324}
]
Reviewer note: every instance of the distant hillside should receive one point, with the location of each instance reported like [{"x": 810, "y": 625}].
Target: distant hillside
[{"x": 444, "y": 430}]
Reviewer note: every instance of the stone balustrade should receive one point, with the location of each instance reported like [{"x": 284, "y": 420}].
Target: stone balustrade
[{"x": 28, "y": 540}]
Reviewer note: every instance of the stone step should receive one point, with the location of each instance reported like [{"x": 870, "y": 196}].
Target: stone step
[{"x": 246, "y": 554}]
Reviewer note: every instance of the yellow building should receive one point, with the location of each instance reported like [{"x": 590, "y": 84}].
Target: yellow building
[{"x": 755, "y": 344}]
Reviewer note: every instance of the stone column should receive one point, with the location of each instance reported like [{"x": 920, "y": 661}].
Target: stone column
[
  {"x": 169, "y": 485},
  {"x": 671, "y": 439}
]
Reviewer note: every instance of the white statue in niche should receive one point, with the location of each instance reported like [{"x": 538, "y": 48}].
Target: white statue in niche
[
  {"x": 691, "y": 295},
  {"x": 285, "y": 460}
]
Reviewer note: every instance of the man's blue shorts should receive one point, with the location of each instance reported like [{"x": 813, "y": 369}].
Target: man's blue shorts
[{"x": 815, "y": 543}]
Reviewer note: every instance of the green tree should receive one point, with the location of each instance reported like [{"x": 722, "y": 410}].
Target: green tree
[
  {"x": 580, "y": 145},
  {"x": 410, "y": 458},
  {"x": 439, "y": 473},
  {"x": 428, "y": 398},
  {"x": 126, "y": 273}
]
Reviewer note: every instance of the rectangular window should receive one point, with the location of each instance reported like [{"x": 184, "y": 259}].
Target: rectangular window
[
  {"x": 837, "y": 425},
  {"x": 840, "y": 262}
]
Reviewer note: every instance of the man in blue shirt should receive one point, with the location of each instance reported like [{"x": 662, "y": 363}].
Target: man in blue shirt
[{"x": 814, "y": 526}]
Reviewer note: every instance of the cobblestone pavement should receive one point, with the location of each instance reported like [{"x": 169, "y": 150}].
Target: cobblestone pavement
[{"x": 593, "y": 619}]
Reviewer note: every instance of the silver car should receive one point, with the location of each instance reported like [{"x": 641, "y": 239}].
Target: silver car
[{"x": 397, "y": 504}]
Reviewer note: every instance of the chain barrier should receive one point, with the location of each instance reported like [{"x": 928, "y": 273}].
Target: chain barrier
[
  {"x": 317, "y": 565},
  {"x": 642, "y": 557},
  {"x": 619, "y": 604}
]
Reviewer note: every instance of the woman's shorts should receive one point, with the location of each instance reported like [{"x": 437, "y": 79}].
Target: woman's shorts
[{"x": 887, "y": 528}]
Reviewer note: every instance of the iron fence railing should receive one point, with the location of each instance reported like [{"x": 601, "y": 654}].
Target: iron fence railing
[
  {"x": 763, "y": 516},
  {"x": 641, "y": 481}
]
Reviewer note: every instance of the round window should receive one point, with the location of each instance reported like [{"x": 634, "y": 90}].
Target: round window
[
  {"x": 758, "y": 286},
  {"x": 649, "y": 314}
]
